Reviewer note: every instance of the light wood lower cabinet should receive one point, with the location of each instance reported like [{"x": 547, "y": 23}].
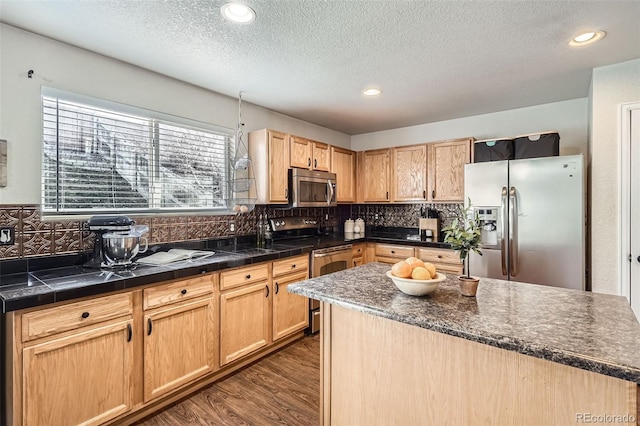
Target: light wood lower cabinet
[
  {"x": 358, "y": 254},
  {"x": 252, "y": 316},
  {"x": 290, "y": 311},
  {"x": 244, "y": 321},
  {"x": 178, "y": 345},
  {"x": 445, "y": 260},
  {"x": 82, "y": 378},
  {"x": 119, "y": 357}
]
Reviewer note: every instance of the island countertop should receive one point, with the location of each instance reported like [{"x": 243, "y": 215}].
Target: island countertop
[{"x": 591, "y": 331}]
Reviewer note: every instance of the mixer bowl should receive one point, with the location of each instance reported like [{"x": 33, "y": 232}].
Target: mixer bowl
[{"x": 121, "y": 248}]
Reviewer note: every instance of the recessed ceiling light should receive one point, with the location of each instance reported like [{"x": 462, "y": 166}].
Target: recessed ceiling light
[
  {"x": 238, "y": 13},
  {"x": 371, "y": 92},
  {"x": 587, "y": 38}
]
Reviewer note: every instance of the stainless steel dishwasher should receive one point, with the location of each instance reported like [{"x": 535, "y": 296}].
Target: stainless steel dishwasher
[{"x": 323, "y": 262}]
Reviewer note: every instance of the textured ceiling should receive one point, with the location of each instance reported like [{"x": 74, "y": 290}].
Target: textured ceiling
[{"x": 434, "y": 60}]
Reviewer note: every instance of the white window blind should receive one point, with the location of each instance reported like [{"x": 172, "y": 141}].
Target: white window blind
[{"x": 123, "y": 158}]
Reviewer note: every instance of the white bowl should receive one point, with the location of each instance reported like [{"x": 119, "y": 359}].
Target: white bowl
[{"x": 416, "y": 287}]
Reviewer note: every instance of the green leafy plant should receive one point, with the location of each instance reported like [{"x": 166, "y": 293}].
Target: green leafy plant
[{"x": 464, "y": 234}]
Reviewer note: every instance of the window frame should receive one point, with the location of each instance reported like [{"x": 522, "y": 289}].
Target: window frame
[{"x": 155, "y": 119}]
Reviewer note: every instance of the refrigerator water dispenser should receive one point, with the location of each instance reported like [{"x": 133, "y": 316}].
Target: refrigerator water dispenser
[{"x": 489, "y": 226}]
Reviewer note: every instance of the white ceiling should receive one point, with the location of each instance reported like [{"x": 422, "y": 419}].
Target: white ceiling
[{"x": 310, "y": 59}]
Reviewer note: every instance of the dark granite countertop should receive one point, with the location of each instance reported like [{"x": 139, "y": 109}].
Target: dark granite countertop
[
  {"x": 591, "y": 331},
  {"x": 58, "y": 278}
]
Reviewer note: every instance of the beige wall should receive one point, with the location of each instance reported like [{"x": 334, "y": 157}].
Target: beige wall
[
  {"x": 569, "y": 118},
  {"x": 611, "y": 86},
  {"x": 76, "y": 70}
]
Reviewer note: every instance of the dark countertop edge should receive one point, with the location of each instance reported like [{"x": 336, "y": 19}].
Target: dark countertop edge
[
  {"x": 570, "y": 359},
  {"x": 45, "y": 298},
  {"x": 166, "y": 274}
]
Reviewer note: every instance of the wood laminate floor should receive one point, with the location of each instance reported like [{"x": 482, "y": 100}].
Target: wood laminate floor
[{"x": 281, "y": 389}]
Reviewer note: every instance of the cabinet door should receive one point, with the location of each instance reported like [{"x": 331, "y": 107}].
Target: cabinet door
[
  {"x": 290, "y": 311},
  {"x": 178, "y": 347},
  {"x": 301, "y": 152},
  {"x": 321, "y": 159},
  {"x": 446, "y": 169},
  {"x": 84, "y": 378},
  {"x": 409, "y": 170},
  {"x": 278, "y": 168},
  {"x": 343, "y": 164},
  {"x": 244, "y": 321},
  {"x": 375, "y": 169}
]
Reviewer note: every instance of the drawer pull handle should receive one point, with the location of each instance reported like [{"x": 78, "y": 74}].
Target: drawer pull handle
[
  {"x": 149, "y": 326},
  {"x": 267, "y": 287},
  {"x": 393, "y": 252},
  {"x": 439, "y": 256},
  {"x": 293, "y": 266},
  {"x": 248, "y": 277},
  {"x": 129, "y": 332},
  {"x": 433, "y": 194},
  {"x": 308, "y": 162},
  {"x": 315, "y": 163},
  {"x": 85, "y": 315},
  {"x": 286, "y": 193},
  {"x": 277, "y": 288},
  {"x": 183, "y": 291},
  {"x": 424, "y": 194}
]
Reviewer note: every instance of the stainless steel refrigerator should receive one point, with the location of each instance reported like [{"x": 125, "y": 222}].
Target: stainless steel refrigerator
[{"x": 532, "y": 213}]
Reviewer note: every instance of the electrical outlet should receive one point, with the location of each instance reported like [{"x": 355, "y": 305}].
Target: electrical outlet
[
  {"x": 232, "y": 227},
  {"x": 7, "y": 235},
  {"x": 376, "y": 216}
]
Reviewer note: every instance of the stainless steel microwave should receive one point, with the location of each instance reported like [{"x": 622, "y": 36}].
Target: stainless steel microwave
[{"x": 309, "y": 188}]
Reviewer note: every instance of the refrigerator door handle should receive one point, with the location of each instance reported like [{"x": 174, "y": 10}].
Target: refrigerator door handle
[
  {"x": 513, "y": 232},
  {"x": 503, "y": 237}
]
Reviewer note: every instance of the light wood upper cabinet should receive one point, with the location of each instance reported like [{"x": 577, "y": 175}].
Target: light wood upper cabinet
[
  {"x": 409, "y": 171},
  {"x": 82, "y": 378},
  {"x": 343, "y": 164},
  {"x": 178, "y": 345},
  {"x": 321, "y": 157},
  {"x": 308, "y": 154},
  {"x": 374, "y": 170},
  {"x": 301, "y": 152},
  {"x": 269, "y": 152},
  {"x": 446, "y": 169}
]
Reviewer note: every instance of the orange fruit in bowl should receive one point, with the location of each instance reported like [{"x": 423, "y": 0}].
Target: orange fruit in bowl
[
  {"x": 420, "y": 273},
  {"x": 401, "y": 269},
  {"x": 414, "y": 261},
  {"x": 431, "y": 268}
]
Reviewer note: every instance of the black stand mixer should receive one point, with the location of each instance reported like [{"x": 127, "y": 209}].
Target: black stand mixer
[{"x": 101, "y": 225}]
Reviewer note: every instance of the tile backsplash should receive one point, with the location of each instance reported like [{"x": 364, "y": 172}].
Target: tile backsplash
[
  {"x": 396, "y": 215},
  {"x": 35, "y": 236}
]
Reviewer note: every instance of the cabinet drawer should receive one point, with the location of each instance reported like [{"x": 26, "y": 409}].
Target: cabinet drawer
[
  {"x": 438, "y": 256},
  {"x": 357, "y": 250},
  {"x": 244, "y": 275},
  {"x": 449, "y": 268},
  {"x": 294, "y": 264},
  {"x": 176, "y": 291},
  {"x": 400, "y": 252},
  {"x": 47, "y": 322}
]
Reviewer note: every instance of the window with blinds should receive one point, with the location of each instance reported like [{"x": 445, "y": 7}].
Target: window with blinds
[{"x": 98, "y": 158}]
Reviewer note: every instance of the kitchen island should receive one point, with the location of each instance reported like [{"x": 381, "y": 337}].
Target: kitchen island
[{"x": 515, "y": 354}]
